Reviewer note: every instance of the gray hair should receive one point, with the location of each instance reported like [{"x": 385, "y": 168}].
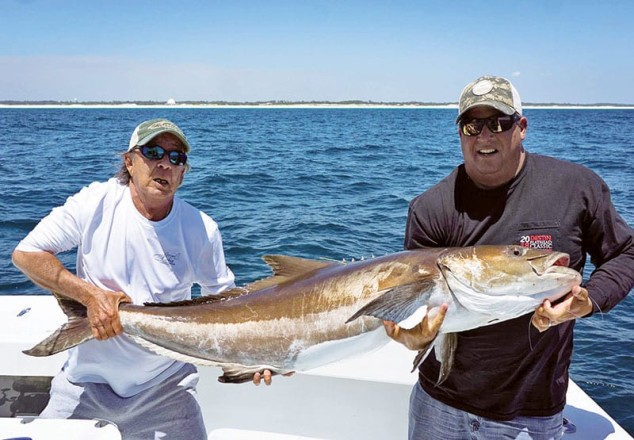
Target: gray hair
[{"x": 123, "y": 175}]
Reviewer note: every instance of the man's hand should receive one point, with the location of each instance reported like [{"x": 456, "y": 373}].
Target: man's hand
[
  {"x": 48, "y": 272},
  {"x": 420, "y": 336},
  {"x": 575, "y": 305},
  {"x": 267, "y": 376},
  {"x": 103, "y": 313}
]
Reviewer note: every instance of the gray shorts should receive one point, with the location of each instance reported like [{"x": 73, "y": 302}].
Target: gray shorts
[{"x": 168, "y": 411}]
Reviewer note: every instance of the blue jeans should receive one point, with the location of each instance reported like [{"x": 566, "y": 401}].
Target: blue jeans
[{"x": 430, "y": 419}]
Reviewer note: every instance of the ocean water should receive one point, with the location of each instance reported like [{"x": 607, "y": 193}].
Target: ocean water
[{"x": 316, "y": 183}]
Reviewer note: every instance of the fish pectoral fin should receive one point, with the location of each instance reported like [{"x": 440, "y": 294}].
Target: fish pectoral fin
[
  {"x": 398, "y": 303},
  {"x": 236, "y": 373}
]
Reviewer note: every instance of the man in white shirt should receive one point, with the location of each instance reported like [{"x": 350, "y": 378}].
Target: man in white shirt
[{"x": 136, "y": 242}]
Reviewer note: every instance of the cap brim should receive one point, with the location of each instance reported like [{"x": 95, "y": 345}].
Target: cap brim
[
  {"x": 147, "y": 139},
  {"x": 506, "y": 109}
]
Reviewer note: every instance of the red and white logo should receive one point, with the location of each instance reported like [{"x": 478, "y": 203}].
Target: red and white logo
[{"x": 541, "y": 241}]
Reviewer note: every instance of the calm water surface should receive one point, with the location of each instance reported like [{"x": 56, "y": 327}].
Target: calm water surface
[{"x": 317, "y": 183}]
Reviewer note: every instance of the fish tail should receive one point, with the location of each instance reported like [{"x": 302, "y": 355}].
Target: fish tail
[{"x": 74, "y": 332}]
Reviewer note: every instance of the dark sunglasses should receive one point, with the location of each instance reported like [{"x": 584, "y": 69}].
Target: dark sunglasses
[
  {"x": 495, "y": 124},
  {"x": 155, "y": 152}
]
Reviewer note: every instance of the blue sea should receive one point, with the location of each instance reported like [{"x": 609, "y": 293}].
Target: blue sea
[{"x": 316, "y": 183}]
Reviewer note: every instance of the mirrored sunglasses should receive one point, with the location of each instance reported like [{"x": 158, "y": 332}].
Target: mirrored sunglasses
[
  {"x": 495, "y": 124},
  {"x": 155, "y": 152}
]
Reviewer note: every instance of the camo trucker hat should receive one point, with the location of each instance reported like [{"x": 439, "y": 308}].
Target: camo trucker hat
[
  {"x": 493, "y": 91},
  {"x": 148, "y": 130}
]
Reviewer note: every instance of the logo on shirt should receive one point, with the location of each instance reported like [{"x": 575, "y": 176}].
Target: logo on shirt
[
  {"x": 541, "y": 241},
  {"x": 167, "y": 259}
]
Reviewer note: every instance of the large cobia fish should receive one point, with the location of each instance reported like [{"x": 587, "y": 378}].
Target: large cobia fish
[{"x": 313, "y": 312}]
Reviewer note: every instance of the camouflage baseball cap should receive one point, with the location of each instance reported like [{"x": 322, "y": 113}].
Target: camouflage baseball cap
[
  {"x": 492, "y": 91},
  {"x": 148, "y": 130}
]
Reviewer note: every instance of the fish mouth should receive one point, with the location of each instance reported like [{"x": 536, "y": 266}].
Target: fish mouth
[{"x": 548, "y": 262}]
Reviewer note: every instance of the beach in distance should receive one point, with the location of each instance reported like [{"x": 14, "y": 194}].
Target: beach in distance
[
  {"x": 313, "y": 180},
  {"x": 299, "y": 105}
]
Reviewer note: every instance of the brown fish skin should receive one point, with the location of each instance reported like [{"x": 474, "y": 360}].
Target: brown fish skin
[
  {"x": 312, "y": 312},
  {"x": 300, "y": 309}
]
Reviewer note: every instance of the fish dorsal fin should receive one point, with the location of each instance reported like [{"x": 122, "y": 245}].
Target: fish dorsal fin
[
  {"x": 286, "y": 268},
  {"x": 207, "y": 299},
  {"x": 399, "y": 303},
  {"x": 291, "y": 267}
]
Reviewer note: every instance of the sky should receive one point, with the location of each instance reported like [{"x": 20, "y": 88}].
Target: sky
[{"x": 554, "y": 51}]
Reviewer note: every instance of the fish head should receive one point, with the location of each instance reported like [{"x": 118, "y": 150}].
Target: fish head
[{"x": 489, "y": 278}]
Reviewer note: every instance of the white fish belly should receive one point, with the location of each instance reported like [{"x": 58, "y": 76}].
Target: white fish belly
[{"x": 335, "y": 350}]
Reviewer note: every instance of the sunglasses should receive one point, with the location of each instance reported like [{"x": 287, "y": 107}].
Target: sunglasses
[
  {"x": 155, "y": 152},
  {"x": 495, "y": 124}
]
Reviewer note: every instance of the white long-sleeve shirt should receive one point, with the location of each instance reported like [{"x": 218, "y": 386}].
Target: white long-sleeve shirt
[{"x": 118, "y": 249}]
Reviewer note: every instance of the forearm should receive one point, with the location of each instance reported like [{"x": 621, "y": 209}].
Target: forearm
[
  {"x": 45, "y": 270},
  {"x": 611, "y": 282},
  {"x": 48, "y": 272}
]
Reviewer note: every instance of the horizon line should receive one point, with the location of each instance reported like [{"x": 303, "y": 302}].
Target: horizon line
[{"x": 273, "y": 103}]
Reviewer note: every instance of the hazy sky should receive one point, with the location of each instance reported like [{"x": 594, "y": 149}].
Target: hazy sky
[{"x": 562, "y": 51}]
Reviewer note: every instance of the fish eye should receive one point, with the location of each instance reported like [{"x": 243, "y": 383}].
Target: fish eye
[{"x": 518, "y": 251}]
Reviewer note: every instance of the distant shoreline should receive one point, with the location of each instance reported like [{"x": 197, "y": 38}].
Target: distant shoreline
[{"x": 279, "y": 105}]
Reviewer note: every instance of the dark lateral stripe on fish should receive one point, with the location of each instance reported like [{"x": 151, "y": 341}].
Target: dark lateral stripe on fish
[{"x": 208, "y": 299}]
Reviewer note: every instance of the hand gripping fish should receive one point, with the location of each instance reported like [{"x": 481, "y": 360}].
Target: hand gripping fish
[{"x": 314, "y": 312}]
